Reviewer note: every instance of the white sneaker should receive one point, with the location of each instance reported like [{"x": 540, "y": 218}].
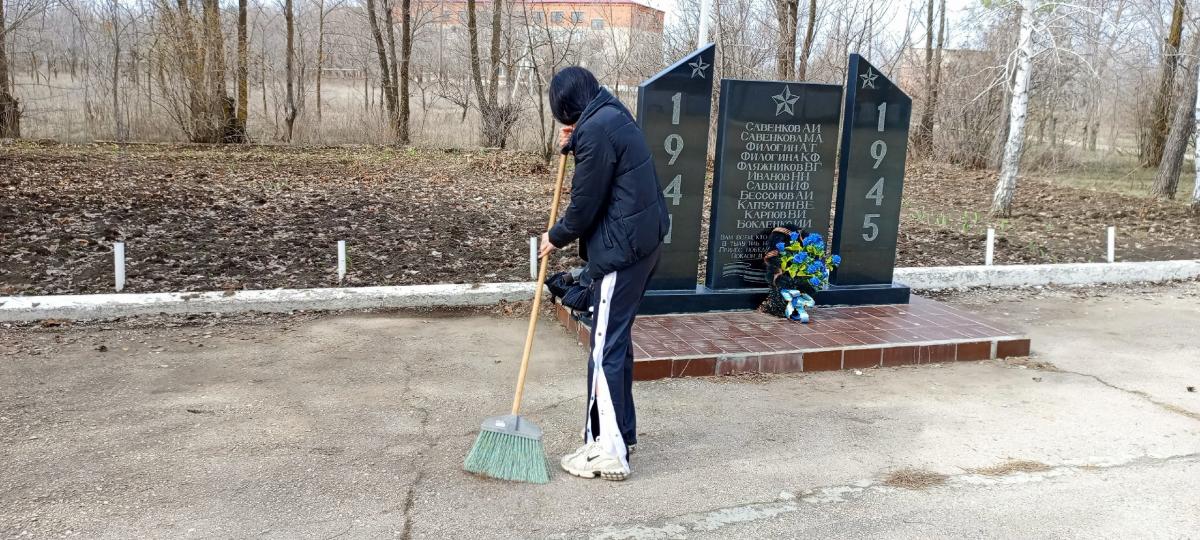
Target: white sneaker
[
  {"x": 574, "y": 454},
  {"x": 592, "y": 461}
]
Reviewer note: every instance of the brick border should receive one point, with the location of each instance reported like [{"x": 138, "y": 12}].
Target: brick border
[{"x": 819, "y": 359}]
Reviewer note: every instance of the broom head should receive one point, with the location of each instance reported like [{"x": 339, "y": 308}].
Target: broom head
[{"x": 509, "y": 448}]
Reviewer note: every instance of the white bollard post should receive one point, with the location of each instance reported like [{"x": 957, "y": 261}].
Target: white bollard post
[
  {"x": 341, "y": 260},
  {"x": 119, "y": 264},
  {"x": 1112, "y": 244},
  {"x": 991, "y": 247},
  {"x": 533, "y": 257}
]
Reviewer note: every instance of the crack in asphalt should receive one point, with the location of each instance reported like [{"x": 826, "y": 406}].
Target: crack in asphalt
[
  {"x": 682, "y": 525},
  {"x": 1144, "y": 395},
  {"x": 418, "y": 460}
]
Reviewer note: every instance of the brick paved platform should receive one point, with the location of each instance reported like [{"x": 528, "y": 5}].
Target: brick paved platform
[{"x": 704, "y": 344}]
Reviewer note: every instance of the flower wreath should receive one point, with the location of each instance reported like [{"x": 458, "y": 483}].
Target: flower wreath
[{"x": 798, "y": 266}]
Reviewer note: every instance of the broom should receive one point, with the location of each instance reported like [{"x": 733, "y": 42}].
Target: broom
[{"x": 509, "y": 447}]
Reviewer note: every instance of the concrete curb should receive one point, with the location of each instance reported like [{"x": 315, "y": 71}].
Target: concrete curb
[
  {"x": 1016, "y": 276},
  {"x": 90, "y": 306}
]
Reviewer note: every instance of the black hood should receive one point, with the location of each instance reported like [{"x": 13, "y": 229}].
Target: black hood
[{"x": 603, "y": 99}]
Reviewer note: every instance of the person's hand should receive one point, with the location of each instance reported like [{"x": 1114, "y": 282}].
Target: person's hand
[
  {"x": 564, "y": 135},
  {"x": 546, "y": 246}
]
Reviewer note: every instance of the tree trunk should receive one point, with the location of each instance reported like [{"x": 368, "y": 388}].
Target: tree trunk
[
  {"x": 289, "y": 111},
  {"x": 1196, "y": 156},
  {"x": 262, "y": 79},
  {"x": 485, "y": 105},
  {"x": 118, "y": 130},
  {"x": 215, "y": 67},
  {"x": 924, "y": 138},
  {"x": 781, "y": 40},
  {"x": 806, "y": 49},
  {"x": 406, "y": 37},
  {"x": 390, "y": 88},
  {"x": 1014, "y": 147},
  {"x": 384, "y": 65},
  {"x": 793, "y": 22},
  {"x": 937, "y": 73},
  {"x": 494, "y": 52},
  {"x": 320, "y": 52},
  {"x": 1166, "y": 181},
  {"x": 1157, "y": 133},
  {"x": 10, "y": 111},
  {"x": 243, "y": 73}
]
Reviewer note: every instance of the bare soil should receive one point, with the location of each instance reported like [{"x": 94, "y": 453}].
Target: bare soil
[{"x": 213, "y": 218}]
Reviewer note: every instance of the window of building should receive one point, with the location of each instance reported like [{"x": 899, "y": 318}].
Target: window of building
[
  {"x": 576, "y": 17},
  {"x": 538, "y": 16},
  {"x": 597, "y": 24},
  {"x": 556, "y": 16}
]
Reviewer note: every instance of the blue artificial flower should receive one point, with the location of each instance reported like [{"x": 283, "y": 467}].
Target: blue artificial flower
[
  {"x": 794, "y": 235},
  {"x": 799, "y": 258},
  {"x": 837, "y": 259},
  {"x": 814, "y": 282},
  {"x": 780, "y": 246}
]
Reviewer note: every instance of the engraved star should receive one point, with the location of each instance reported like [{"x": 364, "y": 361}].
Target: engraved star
[
  {"x": 784, "y": 101},
  {"x": 868, "y": 79},
  {"x": 698, "y": 67}
]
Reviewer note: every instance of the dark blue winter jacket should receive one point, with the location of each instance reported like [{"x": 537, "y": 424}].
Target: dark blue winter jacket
[{"x": 617, "y": 210}]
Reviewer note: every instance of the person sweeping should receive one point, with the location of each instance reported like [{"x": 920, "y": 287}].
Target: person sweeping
[{"x": 619, "y": 217}]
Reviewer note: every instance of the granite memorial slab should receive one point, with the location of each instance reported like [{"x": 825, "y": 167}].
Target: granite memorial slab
[
  {"x": 776, "y": 146},
  {"x": 674, "y": 108}
]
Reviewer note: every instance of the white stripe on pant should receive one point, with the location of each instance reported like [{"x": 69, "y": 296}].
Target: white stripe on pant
[{"x": 610, "y": 434}]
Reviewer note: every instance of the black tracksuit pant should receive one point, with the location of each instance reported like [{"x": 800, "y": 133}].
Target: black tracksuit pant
[{"x": 616, "y": 297}]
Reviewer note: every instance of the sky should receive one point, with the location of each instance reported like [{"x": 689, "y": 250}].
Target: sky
[{"x": 956, "y": 11}]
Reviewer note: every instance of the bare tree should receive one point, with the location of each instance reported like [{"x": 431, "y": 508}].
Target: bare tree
[
  {"x": 785, "y": 54},
  {"x": 321, "y": 14},
  {"x": 289, "y": 114},
  {"x": 197, "y": 101},
  {"x": 114, "y": 13},
  {"x": 1166, "y": 181},
  {"x": 923, "y": 135},
  {"x": 243, "y": 70},
  {"x": 10, "y": 108},
  {"x": 1014, "y": 147},
  {"x": 1152, "y": 150},
  {"x": 806, "y": 48},
  {"x": 497, "y": 119},
  {"x": 1196, "y": 157},
  {"x": 386, "y": 74},
  {"x": 406, "y": 42}
]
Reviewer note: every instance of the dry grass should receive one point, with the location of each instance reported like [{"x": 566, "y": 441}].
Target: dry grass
[
  {"x": 914, "y": 479},
  {"x": 74, "y": 110},
  {"x": 1010, "y": 467},
  {"x": 1030, "y": 363}
]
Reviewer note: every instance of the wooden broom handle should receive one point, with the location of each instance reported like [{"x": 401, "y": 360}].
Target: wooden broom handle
[{"x": 538, "y": 286}]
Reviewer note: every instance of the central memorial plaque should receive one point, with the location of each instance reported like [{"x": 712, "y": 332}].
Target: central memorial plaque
[{"x": 776, "y": 148}]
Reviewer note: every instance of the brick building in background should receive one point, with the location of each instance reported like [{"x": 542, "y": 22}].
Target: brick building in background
[{"x": 620, "y": 40}]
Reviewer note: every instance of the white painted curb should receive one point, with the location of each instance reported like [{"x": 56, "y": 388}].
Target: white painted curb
[
  {"x": 90, "y": 306},
  {"x": 1032, "y": 275}
]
